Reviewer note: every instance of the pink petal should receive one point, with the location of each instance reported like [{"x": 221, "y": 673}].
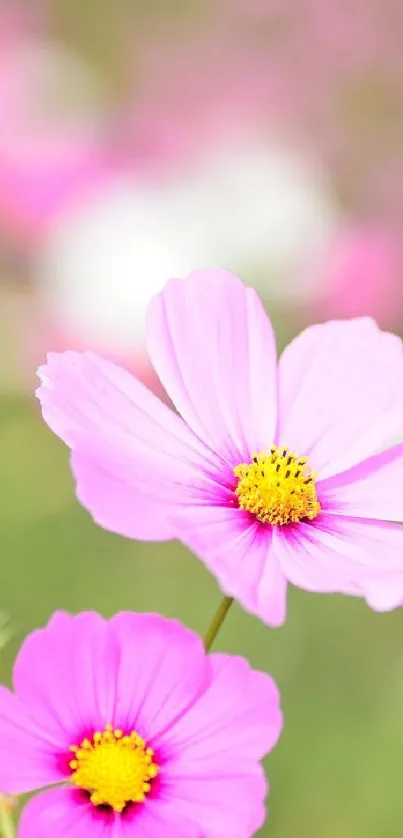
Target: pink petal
[
  {"x": 115, "y": 505},
  {"x": 221, "y": 806},
  {"x": 272, "y": 592},
  {"x": 137, "y": 671},
  {"x": 162, "y": 670},
  {"x": 238, "y": 552},
  {"x": 213, "y": 347},
  {"x": 138, "y": 482},
  {"x": 384, "y": 597},
  {"x": 368, "y": 490},
  {"x": 212, "y": 752},
  {"x": 29, "y": 755},
  {"x": 160, "y": 817},
  {"x": 343, "y": 555},
  {"x": 68, "y": 670},
  {"x": 62, "y": 813},
  {"x": 131, "y": 451},
  {"x": 308, "y": 564},
  {"x": 333, "y": 377},
  {"x": 238, "y": 714}
]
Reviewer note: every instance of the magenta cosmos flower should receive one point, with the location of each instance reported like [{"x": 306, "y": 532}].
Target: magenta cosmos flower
[
  {"x": 272, "y": 472},
  {"x": 142, "y": 731}
]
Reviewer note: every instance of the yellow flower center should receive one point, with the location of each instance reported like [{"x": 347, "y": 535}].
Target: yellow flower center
[
  {"x": 115, "y": 769},
  {"x": 277, "y": 487}
]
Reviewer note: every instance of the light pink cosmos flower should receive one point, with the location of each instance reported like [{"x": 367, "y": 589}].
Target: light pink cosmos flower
[
  {"x": 272, "y": 472},
  {"x": 144, "y": 734}
]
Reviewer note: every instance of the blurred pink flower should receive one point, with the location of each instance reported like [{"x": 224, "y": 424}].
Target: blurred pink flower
[
  {"x": 192, "y": 94},
  {"x": 245, "y": 66},
  {"x": 146, "y": 733},
  {"x": 53, "y": 127},
  {"x": 361, "y": 275},
  {"x": 221, "y": 476},
  {"x": 340, "y": 100}
]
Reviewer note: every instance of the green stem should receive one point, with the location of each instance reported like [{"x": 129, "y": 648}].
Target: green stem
[
  {"x": 217, "y": 622},
  {"x": 6, "y": 819}
]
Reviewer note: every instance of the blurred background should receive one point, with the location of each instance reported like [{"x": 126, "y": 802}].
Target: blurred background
[{"x": 140, "y": 139}]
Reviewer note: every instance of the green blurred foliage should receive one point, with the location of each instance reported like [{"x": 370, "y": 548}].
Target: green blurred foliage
[{"x": 108, "y": 37}]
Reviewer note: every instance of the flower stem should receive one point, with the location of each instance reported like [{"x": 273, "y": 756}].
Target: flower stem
[
  {"x": 217, "y": 622},
  {"x": 6, "y": 820}
]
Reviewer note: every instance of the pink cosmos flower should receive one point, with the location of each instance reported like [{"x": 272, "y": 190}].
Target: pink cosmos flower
[
  {"x": 142, "y": 731},
  {"x": 55, "y": 126},
  {"x": 273, "y": 472}
]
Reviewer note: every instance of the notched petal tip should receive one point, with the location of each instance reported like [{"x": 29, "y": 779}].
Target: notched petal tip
[
  {"x": 382, "y": 599},
  {"x": 44, "y": 374},
  {"x": 55, "y": 362}
]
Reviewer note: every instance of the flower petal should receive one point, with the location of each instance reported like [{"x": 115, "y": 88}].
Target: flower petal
[
  {"x": 137, "y": 671},
  {"x": 114, "y": 503},
  {"x": 64, "y": 813},
  {"x": 162, "y": 815},
  {"x": 331, "y": 379},
  {"x": 162, "y": 670},
  {"x": 67, "y": 814},
  {"x": 131, "y": 450},
  {"x": 68, "y": 670},
  {"x": 272, "y": 591},
  {"x": 384, "y": 597},
  {"x": 234, "y": 723},
  {"x": 224, "y": 806},
  {"x": 213, "y": 347},
  {"x": 211, "y": 754},
  {"x": 238, "y": 552},
  {"x": 29, "y": 755},
  {"x": 338, "y": 554},
  {"x": 368, "y": 490}
]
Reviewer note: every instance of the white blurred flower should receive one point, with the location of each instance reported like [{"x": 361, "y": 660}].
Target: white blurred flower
[
  {"x": 268, "y": 208},
  {"x": 262, "y": 209},
  {"x": 100, "y": 267}
]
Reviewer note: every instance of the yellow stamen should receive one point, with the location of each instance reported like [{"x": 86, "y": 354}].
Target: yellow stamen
[
  {"x": 116, "y": 769},
  {"x": 277, "y": 487}
]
